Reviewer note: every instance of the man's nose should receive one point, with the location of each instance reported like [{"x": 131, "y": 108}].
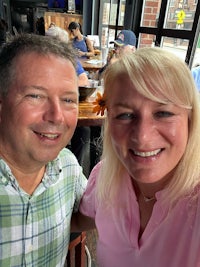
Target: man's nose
[{"x": 54, "y": 112}]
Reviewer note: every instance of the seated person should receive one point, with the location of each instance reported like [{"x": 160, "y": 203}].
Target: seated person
[
  {"x": 125, "y": 43},
  {"x": 196, "y": 76},
  {"x": 82, "y": 43},
  {"x": 63, "y": 36}
]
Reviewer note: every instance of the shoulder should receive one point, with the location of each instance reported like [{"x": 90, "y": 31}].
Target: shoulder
[
  {"x": 68, "y": 162},
  {"x": 196, "y": 71},
  {"x": 92, "y": 180},
  {"x": 88, "y": 201},
  {"x": 79, "y": 68},
  {"x": 196, "y": 75}
]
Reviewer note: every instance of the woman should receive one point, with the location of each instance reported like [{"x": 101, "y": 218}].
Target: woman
[
  {"x": 145, "y": 193},
  {"x": 80, "y": 42}
]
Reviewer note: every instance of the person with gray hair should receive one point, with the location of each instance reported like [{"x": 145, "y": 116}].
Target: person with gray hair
[
  {"x": 60, "y": 33},
  {"x": 145, "y": 193},
  {"x": 41, "y": 182}
]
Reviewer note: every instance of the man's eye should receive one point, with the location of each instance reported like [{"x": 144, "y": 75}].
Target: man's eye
[
  {"x": 70, "y": 100},
  {"x": 164, "y": 114},
  {"x": 125, "y": 116},
  {"x": 34, "y": 96}
]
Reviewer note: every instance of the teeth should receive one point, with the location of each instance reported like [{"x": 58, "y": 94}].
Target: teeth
[
  {"x": 50, "y": 136},
  {"x": 147, "y": 154}
]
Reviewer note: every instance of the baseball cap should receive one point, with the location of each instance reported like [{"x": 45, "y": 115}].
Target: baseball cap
[{"x": 125, "y": 37}]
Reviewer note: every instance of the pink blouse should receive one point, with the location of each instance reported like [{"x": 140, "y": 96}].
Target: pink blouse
[{"x": 171, "y": 238}]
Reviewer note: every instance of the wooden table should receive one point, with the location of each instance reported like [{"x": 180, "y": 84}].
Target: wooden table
[{"x": 86, "y": 116}]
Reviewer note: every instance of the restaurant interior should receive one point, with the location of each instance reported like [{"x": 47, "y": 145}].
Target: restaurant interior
[{"x": 154, "y": 24}]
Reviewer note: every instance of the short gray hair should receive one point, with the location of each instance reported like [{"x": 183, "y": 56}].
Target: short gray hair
[{"x": 27, "y": 43}]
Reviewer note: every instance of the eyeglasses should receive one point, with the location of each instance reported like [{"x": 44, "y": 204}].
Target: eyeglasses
[{"x": 117, "y": 47}]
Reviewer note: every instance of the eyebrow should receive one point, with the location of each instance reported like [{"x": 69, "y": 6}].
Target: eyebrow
[{"x": 40, "y": 88}]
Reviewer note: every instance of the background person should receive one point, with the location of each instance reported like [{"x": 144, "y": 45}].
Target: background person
[
  {"x": 80, "y": 42},
  {"x": 125, "y": 43},
  {"x": 60, "y": 33},
  {"x": 41, "y": 182},
  {"x": 145, "y": 193},
  {"x": 196, "y": 76}
]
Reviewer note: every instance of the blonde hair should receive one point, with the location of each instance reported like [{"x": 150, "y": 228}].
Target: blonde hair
[{"x": 155, "y": 72}]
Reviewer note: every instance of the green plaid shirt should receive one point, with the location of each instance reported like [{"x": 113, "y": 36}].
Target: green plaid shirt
[{"x": 35, "y": 230}]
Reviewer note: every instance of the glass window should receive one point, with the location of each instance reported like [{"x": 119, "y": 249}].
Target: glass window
[
  {"x": 112, "y": 11},
  {"x": 168, "y": 25}
]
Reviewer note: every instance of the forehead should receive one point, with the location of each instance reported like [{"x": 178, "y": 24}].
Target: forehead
[
  {"x": 50, "y": 68},
  {"x": 38, "y": 60}
]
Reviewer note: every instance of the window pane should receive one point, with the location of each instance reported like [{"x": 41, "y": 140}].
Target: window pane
[
  {"x": 180, "y": 15},
  {"x": 150, "y": 13},
  {"x": 196, "y": 60},
  {"x": 174, "y": 45}
]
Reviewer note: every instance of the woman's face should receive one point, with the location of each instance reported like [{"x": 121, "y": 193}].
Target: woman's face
[
  {"x": 75, "y": 32},
  {"x": 149, "y": 138}
]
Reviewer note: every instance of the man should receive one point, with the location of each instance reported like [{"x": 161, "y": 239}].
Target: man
[
  {"x": 41, "y": 182},
  {"x": 125, "y": 43}
]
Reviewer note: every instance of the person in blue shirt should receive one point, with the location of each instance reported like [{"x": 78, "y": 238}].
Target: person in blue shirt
[
  {"x": 80, "y": 42},
  {"x": 196, "y": 76},
  {"x": 60, "y": 33}
]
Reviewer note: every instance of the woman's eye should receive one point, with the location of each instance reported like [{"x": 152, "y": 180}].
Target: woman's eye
[
  {"x": 163, "y": 114},
  {"x": 125, "y": 116}
]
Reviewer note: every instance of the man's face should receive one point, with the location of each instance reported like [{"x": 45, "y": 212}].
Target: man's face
[
  {"x": 120, "y": 50},
  {"x": 39, "y": 115}
]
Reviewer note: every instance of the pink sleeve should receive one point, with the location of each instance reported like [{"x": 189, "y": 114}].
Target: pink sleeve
[{"x": 88, "y": 201}]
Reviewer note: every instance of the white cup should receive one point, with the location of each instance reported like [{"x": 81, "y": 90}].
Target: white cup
[
  {"x": 104, "y": 54},
  {"x": 93, "y": 83}
]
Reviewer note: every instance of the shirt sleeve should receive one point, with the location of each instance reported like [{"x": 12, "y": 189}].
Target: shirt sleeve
[
  {"x": 196, "y": 76},
  {"x": 88, "y": 201},
  {"x": 79, "y": 68}
]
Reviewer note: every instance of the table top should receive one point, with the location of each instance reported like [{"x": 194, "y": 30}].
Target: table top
[
  {"x": 86, "y": 116},
  {"x": 92, "y": 64}
]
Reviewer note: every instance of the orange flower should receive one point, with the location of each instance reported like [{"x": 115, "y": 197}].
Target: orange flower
[{"x": 100, "y": 104}]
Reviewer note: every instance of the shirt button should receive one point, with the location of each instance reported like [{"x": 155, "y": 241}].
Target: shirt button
[{"x": 4, "y": 180}]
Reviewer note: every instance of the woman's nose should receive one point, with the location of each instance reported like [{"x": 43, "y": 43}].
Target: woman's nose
[{"x": 143, "y": 130}]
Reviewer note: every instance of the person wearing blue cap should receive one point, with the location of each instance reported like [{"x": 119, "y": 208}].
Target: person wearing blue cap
[{"x": 124, "y": 43}]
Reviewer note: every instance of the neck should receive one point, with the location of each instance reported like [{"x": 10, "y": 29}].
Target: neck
[
  {"x": 80, "y": 36},
  {"x": 144, "y": 191},
  {"x": 28, "y": 181}
]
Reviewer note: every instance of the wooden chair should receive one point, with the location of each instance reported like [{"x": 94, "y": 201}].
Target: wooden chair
[{"x": 76, "y": 256}]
